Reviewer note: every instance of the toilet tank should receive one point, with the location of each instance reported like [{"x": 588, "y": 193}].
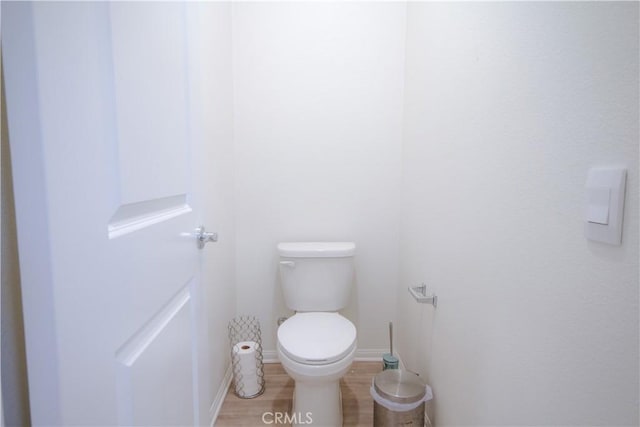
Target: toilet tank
[{"x": 316, "y": 276}]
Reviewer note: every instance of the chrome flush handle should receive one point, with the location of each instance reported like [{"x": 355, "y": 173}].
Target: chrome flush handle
[
  {"x": 289, "y": 264},
  {"x": 203, "y": 237}
]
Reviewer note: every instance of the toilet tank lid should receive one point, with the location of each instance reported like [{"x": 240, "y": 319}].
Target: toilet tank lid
[{"x": 316, "y": 249}]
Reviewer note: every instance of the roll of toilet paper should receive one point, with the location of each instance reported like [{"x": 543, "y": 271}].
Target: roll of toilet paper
[{"x": 247, "y": 380}]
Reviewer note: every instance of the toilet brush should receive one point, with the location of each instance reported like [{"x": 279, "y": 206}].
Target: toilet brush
[{"x": 389, "y": 361}]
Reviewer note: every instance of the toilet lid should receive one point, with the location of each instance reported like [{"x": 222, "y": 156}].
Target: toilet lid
[{"x": 317, "y": 338}]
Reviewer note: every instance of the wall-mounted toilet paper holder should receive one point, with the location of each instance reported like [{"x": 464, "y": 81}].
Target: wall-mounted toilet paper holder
[{"x": 420, "y": 295}]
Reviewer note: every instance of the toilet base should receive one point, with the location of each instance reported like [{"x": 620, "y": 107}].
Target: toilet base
[
  {"x": 317, "y": 404},
  {"x": 317, "y": 400}
]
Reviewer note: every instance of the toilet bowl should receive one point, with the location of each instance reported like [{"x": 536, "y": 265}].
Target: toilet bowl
[{"x": 316, "y": 349}]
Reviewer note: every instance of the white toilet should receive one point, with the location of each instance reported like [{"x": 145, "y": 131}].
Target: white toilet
[{"x": 316, "y": 345}]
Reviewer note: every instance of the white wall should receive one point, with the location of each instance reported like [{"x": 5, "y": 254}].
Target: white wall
[
  {"x": 15, "y": 397},
  {"x": 317, "y": 130},
  {"x": 507, "y": 107},
  {"x": 211, "y": 108}
]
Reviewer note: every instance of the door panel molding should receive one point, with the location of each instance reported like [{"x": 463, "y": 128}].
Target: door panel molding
[
  {"x": 158, "y": 357},
  {"x": 135, "y": 216}
]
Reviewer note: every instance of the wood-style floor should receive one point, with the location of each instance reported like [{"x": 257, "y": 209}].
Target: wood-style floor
[{"x": 357, "y": 404}]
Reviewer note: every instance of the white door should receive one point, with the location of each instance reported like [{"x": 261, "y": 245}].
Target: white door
[{"x": 98, "y": 111}]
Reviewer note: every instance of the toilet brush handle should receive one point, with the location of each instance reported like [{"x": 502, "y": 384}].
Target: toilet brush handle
[{"x": 391, "y": 338}]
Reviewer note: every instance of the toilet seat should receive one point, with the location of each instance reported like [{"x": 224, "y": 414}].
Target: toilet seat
[{"x": 317, "y": 338}]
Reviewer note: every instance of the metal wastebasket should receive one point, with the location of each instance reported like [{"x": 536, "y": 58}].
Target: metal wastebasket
[{"x": 399, "y": 399}]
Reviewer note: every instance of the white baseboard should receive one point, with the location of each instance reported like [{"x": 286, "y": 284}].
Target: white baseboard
[
  {"x": 270, "y": 356},
  {"x": 370, "y": 354},
  {"x": 214, "y": 410},
  {"x": 362, "y": 355}
]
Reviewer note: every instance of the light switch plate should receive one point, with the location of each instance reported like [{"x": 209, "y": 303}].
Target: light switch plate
[{"x": 604, "y": 209}]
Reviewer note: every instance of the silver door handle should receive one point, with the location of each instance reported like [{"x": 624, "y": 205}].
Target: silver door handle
[{"x": 203, "y": 237}]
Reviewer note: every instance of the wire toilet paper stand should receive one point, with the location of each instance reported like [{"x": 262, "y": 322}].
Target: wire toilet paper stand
[{"x": 246, "y": 356}]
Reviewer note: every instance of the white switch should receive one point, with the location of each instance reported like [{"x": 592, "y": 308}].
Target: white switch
[
  {"x": 605, "y": 204},
  {"x": 598, "y": 205}
]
